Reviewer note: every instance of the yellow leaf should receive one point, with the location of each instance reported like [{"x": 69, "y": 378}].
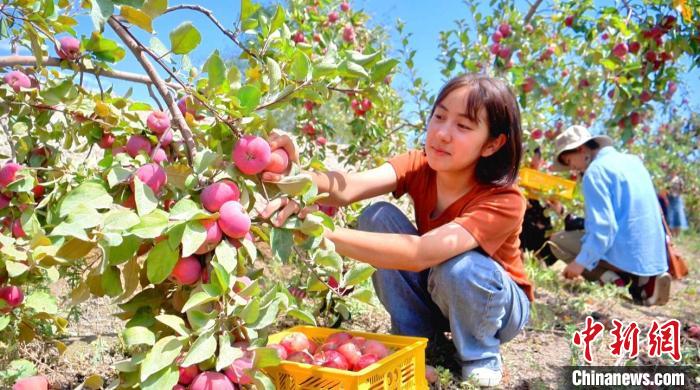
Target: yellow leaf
[
  {"x": 102, "y": 110},
  {"x": 75, "y": 249},
  {"x": 177, "y": 174},
  {"x": 60, "y": 347},
  {"x": 137, "y": 17},
  {"x": 94, "y": 382},
  {"x": 80, "y": 294},
  {"x": 26, "y": 333},
  {"x": 682, "y": 7}
]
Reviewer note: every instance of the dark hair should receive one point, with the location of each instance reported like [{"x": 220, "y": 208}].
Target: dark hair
[
  {"x": 503, "y": 117},
  {"x": 590, "y": 144}
]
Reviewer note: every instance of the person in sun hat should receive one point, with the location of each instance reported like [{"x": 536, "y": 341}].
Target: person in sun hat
[{"x": 623, "y": 240}]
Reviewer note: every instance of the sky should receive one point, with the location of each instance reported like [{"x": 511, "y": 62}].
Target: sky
[{"x": 424, "y": 19}]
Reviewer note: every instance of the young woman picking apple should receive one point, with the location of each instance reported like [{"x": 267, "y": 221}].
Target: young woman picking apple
[{"x": 460, "y": 269}]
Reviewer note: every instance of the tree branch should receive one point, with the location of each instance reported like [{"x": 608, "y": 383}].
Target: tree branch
[
  {"x": 135, "y": 48},
  {"x": 230, "y": 34},
  {"x": 14, "y": 60},
  {"x": 531, "y": 11}
]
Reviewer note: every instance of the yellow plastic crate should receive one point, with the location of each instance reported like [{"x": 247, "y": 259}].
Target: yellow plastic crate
[
  {"x": 538, "y": 181},
  {"x": 404, "y": 368}
]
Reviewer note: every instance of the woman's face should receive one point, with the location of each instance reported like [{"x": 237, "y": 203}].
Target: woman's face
[{"x": 454, "y": 142}]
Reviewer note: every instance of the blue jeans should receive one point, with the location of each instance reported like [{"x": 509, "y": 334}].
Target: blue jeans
[{"x": 470, "y": 294}]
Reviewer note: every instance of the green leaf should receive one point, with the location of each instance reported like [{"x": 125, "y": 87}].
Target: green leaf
[
  {"x": 155, "y": 8},
  {"x": 104, "y": 49},
  {"x": 20, "y": 368},
  {"x": 68, "y": 229},
  {"x": 85, "y": 217},
  {"x": 363, "y": 59},
  {"x": 57, "y": 94},
  {"x": 151, "y": 225},
  {"x": 275, "y": 73},
  {"x": 227, "y": 353},
  {"x": 303, "y": 316},
  {"x": 300, "y": 69},
  {"x": 330, "y": 259},
  {"x": 164, "y": 379},
  {"x": 137, "y": 17},
  {"x": 295, "y": 185},
  {"x": 146, "y": 200},
  {"x": 15, "y": 269},
  {"x": 352, "y": 70},
  {"x": 162, "y": 355},
  {"x": 41, "y": 302},
  {"x": 362, "y": 294},
  {"x": 312, "y": 225},
  {"x": 226, "y": 255},
  {"x": 202, "y": 349},
  {"x": 202, "y": 161},
  {"x": 251, "y": 311},
  {"x": 125, "y": 251},
  {"x": 248, "y": 8},
  {"x": 100, "y": 11},
  {"x": 220, "y": 277},
  {"x": 91, "y": 194},
  {"x": 137, "y": 335},
  {"x": 117, "y": 175},
  {"x": 383, "y": 68},
  {"x": 198, "y": 298},
  {"x": 249, "y": 97},
  {"x": 216, "y": 69},
  {"x": 184, "y": 38},
  {"x": 174, "y": 322},
  {"x": 281, "y": 242},
  {"x": 266, "y": 357},
  {"x": 111, "y": 282},
  {"x": 357, "y": 274},
  {"x": 119, "y": 220},
  {"x": 160, "y": 262},
  {"x": 277, "y": 20},
  {"x": 186, "y": 209},
  {"x": 4, "y": 321},
  {"x": 193, "y": 237},
  {"x": 609, "y": 64}
]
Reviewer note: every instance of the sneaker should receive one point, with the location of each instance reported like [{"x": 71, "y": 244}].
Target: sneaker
[
  {"x": 657, "y": 290},
  {"x": 485, "y": 372}
]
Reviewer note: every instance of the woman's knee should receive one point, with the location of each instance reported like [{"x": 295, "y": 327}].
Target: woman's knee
[
  {"x": 469, "y": 273},
  {"x": 384, "y": 217}
]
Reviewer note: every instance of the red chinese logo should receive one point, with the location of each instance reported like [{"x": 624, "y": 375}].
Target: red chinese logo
[
  {"x": 587, "y": 336},
  {"x": 626, "y": 339},
  {"x": 665, "y": 339}
]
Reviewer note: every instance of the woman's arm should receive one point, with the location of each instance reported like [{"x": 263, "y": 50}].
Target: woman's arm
[
  {"x": 346, "y": 188},
  {"x": 403, "y": 251}
]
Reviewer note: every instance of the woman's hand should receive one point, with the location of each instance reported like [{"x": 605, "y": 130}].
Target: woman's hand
[
  {"x": 281, "y": 139},
  {"x": 286, "y": 207}
]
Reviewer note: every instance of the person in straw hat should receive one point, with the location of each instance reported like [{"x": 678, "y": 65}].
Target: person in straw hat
[{"x": 623, "y": 240}]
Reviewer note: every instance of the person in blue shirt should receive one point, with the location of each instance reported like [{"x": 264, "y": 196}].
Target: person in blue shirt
[{"x": 623, "y": 240}]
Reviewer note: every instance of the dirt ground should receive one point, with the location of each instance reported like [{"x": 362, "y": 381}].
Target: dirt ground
[{"x": 533, "y": 360}]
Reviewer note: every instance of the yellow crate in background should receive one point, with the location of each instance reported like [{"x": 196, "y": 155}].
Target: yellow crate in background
[
  {"x": 534, "y": 180},
  {"x": 404, "y": 368}
]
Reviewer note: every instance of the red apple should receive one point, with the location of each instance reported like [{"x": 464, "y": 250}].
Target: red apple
[
  {"x": 333, "y": 17},
  {"x": 431, "y": 374},
  {"x": 233, "y": 220},
  {"x": 215, "y": 195},
  {"x": 187, "y": 374},
  {"x": 634, "y": 47},
  {"x": 210, "y": 380},
  {"x": 348, "y": 33},
  {"x": 645, "y": 96},
  {"x": 38, "y": 382},
  {"x": 345, "y": 6},
  {"x": 166, "y": 138},
  {"x": 68, "y": 48},
  {"x": 620, "y": 50},
  {"x": 12, "y": 295},
  {"x": 187, "y": 270},
  {"x": 365, "y": 361},
  {"x": 136, "y": 144},
  {"x": 375, "y": 348},
  {"x": 298, "y": 37},
  {"x": 300, "y": 357},
  {"x": 158, "y": 122},
  {"x": 321, "y": 140},
  {"x": 536, "y": 134},
  {"x": 295, "y": 342},
  {"x": 152, "y": 175},
  {"x": 251, "y": 154},
  {"x": 279, "y": 161},
  {"x": 213, "y": 237},
  {"x": 569, "y": 21},
  {"x": 237, "y": 371},
  {"x": 496, "y": 36},
  {"x": 17, "y": 231},
  {"x": 505, "y": 29},
  {"x": 8, "y": 174},
  {"x": 106, "y": 141},
  {"x": 17, "y": 80},
  {"x": 635, "y": 118},
  {"x": 351, "y": 353},
  {"x": 332, "y": 359}
]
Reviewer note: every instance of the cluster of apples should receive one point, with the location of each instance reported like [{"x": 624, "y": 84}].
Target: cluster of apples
[
  {"x": 341, "y": 350},
  {"x": 68, "y": 48},
  {"x": 238, "y": 373}
]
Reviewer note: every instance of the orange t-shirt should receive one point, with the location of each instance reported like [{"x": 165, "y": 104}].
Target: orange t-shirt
[{"x": 492, "y": 215}]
